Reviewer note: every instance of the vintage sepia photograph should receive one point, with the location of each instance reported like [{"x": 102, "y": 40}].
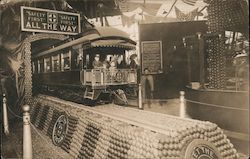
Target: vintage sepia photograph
[{"x": 124, "y": 79}]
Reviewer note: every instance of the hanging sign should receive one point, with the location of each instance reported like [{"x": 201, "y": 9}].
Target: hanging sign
[
  {"x": 49, "y": 21},
  {"x": 152, "y": 56}
]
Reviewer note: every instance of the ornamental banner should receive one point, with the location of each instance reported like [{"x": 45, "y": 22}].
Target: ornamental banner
[
  {"x": 186, "y": 17},
  {"x": 49, "y": 21}
]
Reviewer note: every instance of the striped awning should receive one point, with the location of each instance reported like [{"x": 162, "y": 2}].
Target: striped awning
[{"x": 113, "y": 43}]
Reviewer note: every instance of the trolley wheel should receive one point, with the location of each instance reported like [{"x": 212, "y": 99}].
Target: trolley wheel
[
  {"x": 104, "y": 98},
  {"x": 90, "y": 102}
]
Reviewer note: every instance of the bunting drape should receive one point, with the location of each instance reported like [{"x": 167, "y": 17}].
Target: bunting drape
[{"x": 186, "y": 17}]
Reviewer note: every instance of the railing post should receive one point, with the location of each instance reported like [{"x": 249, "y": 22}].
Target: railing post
[
  {"x": 140, "y": 97},
  {"x": 182, "y": 105},
  {"x": 5, "y": 116},
  {"x": 27, "y": 143}
]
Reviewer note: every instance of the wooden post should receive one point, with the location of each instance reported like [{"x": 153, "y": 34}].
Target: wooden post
[
  {"x": 139, "y": 72},
  {"x": 140, "y": 97},
  {"x": 182, "y": 105},
  {"x": 5, "y": 116},
  {"x": 27, "y": 143}
]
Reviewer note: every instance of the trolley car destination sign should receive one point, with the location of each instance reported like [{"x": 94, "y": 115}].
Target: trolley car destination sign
[{"x": 49, "y": 21}]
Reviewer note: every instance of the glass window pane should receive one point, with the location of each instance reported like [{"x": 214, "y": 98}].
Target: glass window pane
[
  {"x": 41, "y": 66},
  {"x": 33, "y": 67},
  {"x": 55, "y": 63},
  {"x": 76, "y": 58},
  {"x": 66, "y": 61},
  {"x": 47, "y": 65}
]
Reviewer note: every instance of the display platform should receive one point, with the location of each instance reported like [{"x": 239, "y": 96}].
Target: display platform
[
  {"x": 228, "y": 109},
  {"x": 90, "y": 132}
]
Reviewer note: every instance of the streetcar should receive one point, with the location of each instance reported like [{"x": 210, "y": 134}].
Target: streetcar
[{"x": 68, "y": 68}]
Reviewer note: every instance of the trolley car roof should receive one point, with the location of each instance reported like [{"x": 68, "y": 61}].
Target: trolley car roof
[{"x": 96, "y": 37}]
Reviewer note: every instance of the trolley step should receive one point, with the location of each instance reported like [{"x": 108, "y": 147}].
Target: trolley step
[
  {"x": 89, "y": 93},
  {"x": 92, "y": 94}
]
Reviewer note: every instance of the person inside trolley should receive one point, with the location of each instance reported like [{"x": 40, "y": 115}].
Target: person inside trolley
[
  {"x": 106, "y": 62},
  {"x": 113, "y": 67},
  {"x": 120, "y": 62},
  {"x": 133, "y": 63},
  {"x": 113, "y": 64},
  {"x": 97, "y": 63}
]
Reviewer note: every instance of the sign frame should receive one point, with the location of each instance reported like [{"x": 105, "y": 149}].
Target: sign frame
[
  {"x": 51, "y": 11},
  {"x": 197, "y": 144},
  {"x": 142, "y": 52},
  {"x": 63, "y": 123}
]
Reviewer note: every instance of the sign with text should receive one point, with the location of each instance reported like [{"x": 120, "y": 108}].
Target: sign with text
[
  {"x": 49, "y": 21},
  {"x": 199, "y": 149},
  {"x": 152, "y": 56}
]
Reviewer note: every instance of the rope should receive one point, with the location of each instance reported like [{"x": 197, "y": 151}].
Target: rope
[
  {"x": 39, "y": 134},
  {"x": 202, "y": 103},
  {"x": 34, "y": 129},
  {"x": 159, "y": 100},
  {"x": 155, "y": 100},
  {"x": 171, "y": 8},
  {"x": 14, "y": 113},
  {"x": 215, "y": 105}
]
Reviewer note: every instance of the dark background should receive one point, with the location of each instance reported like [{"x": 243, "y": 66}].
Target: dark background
[{"x": 174, "y": 77}]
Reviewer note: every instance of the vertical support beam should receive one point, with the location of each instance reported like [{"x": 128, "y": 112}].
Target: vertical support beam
[
  {"x": 27, "y": 143},
  {"x": 140, "y": 97},
  {"x": 182, "y": 105},
  {"x": 216, "y": 53},
  {"x": 188, "y": 59},
  {"x": 202, "y": 60},
  {"x": 28, "y": 74},
  {"x": 81, "y": 59},
  {"x": 102, "y": 77},
  {"x": 5, "y": 116},
  {"x": 189, "y": 64},
  {"x": 139, "y": 72}
]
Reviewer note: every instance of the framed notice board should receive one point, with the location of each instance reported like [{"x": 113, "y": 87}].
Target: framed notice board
[{"x": 151, "y": 52}]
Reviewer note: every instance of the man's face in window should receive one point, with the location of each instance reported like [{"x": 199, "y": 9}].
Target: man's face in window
[
  {"x": 97, "y": 58},
  {"x": 146, "y": 71}
]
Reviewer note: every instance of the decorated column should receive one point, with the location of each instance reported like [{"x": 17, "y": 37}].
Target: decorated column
[
  {"x": 222, "y": 16},
  {"x": 216, "y": 47},
  {"x": 24, "y": 53}
]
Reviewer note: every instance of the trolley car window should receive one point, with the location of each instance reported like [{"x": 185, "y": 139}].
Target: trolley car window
[
  {"x": 55, "y": 63},
  {"x": 40, "y": 66},
  {"x": 47, "y": 64},
  {"x": 36, "y": 66},
  {"x": 87, "y": 62},
  {"x": 33, "y": 67},
  {"x": 66, "y": 61},
  {"x": 76, "y": 57}
]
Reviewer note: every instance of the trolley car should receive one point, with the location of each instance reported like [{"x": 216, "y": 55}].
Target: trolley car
[{"x": 68, "y": 65}]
